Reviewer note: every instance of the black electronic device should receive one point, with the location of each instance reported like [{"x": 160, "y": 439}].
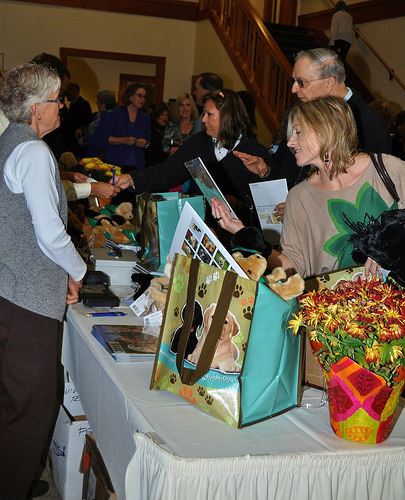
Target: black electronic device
[{"x": 95, "y": 292}]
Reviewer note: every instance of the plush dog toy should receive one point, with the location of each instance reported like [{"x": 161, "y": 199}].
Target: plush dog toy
[
  {"x": 108, "y": 220},
  {"x": 255, "y": 265},
  {"x": 382, "y": 239},
  {"x": 158, "y": 288}
]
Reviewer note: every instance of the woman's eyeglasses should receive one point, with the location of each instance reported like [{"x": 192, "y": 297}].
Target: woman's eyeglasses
[
  {"x": 303, "y": 83},
  {"x": 59, "y": 100}
]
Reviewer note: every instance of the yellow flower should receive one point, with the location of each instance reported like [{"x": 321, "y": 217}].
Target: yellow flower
[
  {"x": 296, "y": 322},
  {"x": 372, "y": 354}
]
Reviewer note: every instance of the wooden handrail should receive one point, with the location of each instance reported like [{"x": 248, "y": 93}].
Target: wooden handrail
[
  {"x": 391, "y": 71},
  {"x": 260, "y": 62}
]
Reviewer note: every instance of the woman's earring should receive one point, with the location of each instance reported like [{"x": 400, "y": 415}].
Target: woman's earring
[
  {"x": 326, "y": 158},
  {"x": 39, "y": 117}
]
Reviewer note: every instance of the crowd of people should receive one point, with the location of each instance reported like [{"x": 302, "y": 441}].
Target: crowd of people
[{"x": 322, "y": 149}]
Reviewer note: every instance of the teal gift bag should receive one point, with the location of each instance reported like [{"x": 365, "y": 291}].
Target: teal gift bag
[
  {"x": 160, "y": 213},
  {"x": 224, "y": 345}
]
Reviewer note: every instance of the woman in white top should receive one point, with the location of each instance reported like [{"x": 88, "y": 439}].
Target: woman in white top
[{"x": 40, "y": 271}]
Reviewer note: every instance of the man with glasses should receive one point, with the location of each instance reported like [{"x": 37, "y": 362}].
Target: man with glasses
[{"x": 320, "y": 73}]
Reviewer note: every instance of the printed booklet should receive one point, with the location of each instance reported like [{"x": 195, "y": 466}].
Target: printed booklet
[
  {"x": 193, "y": 237},
  {"x": 127, "y": 343}
]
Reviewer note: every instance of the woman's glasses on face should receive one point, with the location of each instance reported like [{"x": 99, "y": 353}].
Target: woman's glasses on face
[{"x": 59, "y": 100}]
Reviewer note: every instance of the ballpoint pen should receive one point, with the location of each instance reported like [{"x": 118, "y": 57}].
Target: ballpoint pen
[
  {"x": 96, "y": 314},
  {"x": 113, "y": 177}
]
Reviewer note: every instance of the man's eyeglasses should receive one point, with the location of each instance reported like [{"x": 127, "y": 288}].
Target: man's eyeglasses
[
  {"x": 302, "y": 83},
  {"x": 59, "y": 100}
]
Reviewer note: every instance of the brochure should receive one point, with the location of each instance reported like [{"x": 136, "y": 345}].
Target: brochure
[
  {"x": 205, "y": 182},
  {"x": 193, "y": 237},
  {"x": 127, "y": 343},
  {"x": 266, "y": 195}
]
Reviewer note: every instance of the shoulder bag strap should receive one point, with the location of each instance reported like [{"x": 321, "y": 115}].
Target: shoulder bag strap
[
  {"x": 385, "y": 176},
  {"x": 190, "y": 376}
]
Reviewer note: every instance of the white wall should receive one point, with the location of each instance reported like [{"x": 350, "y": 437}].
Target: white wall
[{"x": 29, "y": 29}]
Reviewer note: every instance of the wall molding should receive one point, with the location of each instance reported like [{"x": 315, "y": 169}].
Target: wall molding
[{"x": 362, "y": 12}]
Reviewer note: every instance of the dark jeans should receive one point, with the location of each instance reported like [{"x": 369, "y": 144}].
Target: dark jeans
[
  {"x": 28, "y": 357},
  {"x": 341, "y": 47}
]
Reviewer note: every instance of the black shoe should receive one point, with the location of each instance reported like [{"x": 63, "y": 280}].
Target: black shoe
[{"x": 39, "y": 487}]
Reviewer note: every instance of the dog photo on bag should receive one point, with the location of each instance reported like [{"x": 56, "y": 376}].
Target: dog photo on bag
[
  {"x": 195, "y": 327},
  {"x": 226, "y": 352}
]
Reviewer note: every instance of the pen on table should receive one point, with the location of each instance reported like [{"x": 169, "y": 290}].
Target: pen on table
[
  {"x": 113, "y": 179},
  {"x": 106, "y": 314}
]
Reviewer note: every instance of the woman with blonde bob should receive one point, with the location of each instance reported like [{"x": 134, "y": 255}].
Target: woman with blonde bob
[
  {"x": 343, "y": 191},
  {"x": 181, "y": 126}
]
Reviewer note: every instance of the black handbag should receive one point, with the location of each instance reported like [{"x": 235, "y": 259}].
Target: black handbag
[{"x": 385, "y": 176}]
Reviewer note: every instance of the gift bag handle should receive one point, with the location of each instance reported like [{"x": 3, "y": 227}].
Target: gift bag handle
[{"x": 189, "y": 376}]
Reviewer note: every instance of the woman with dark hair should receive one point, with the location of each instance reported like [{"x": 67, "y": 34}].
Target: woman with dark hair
[
  {"x": 160, "y": 118},
  {"x": 226, "y": 146},
  {"x": 124, "y": 132},
  {"x": 40, "y": 272},
  {"x": 248, "y": 100}
]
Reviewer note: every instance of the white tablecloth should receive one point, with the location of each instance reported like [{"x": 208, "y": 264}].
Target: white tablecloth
[{"x": 157, "y": 446}]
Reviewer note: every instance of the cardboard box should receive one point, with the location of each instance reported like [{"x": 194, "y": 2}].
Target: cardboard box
[
  {"x": 119, "y": 270},
  {"x": 96, "y": 481},
  {"x": 71, "y": 400},
  {"x": 65, "y": 454}
]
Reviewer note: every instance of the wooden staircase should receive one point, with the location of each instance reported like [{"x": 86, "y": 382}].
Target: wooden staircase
[
  {"x": 264, "y": 54},
  {"x": 292, "y": 39}
]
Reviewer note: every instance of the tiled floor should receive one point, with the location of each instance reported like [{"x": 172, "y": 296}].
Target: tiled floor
[{"x": 53, "y": 493}]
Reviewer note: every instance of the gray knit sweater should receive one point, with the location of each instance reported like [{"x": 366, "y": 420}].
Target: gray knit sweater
[{"x": 28, "y": 278}]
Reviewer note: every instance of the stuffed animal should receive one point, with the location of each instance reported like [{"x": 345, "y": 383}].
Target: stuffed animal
[
  {"x": 117, "y": 234},
  {"x": 120, "y": 217},
  {"x": 285, "y": 288},
  {"x": 255, "y": 265},
  {"x": 112, "y": 221},
  {"x": 382, "y": 239},
  {"x": 158, "y": 288}
]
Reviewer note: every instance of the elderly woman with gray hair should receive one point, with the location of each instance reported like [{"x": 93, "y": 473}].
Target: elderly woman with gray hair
[{"x": 40, "y": 272}]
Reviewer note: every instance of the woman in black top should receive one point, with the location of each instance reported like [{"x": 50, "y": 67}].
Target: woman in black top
[{"x": 226, "y": 146}]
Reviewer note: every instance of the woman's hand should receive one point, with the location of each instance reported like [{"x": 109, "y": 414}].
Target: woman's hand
[
  {"x": 279, "y": 210},
  {"x": 371, "y": 268},
  {"x": 104, "y": 190},
  {"x": 73, "y": 176},
  {"x": 128, "y": 141},
  {"x": 72, "y": 295},
  {"x": 224, "y": 217},
  {"x": 254, "y": 164},
  {"x": 123, "y": 181},
  {"x": 141, "y": 143}
]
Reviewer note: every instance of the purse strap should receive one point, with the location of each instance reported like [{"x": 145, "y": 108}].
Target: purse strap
[
  {"x": 190, "y": 376},
  {"x": 385, "y": 176}
]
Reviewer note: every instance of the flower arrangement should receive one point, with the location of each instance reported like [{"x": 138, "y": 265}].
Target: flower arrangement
[
  {"x": 363, "y": 320},
  {"x": 97, "y": 169}
]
